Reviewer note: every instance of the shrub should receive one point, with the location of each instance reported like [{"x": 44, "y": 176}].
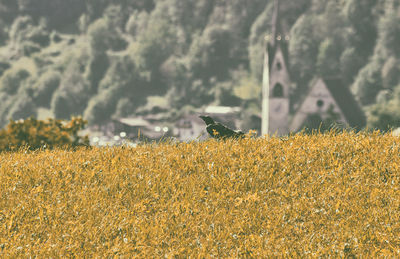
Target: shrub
[{"x": 35, "y": 134}]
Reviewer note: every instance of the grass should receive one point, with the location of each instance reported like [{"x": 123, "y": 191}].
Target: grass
[{"x": 325, "y": 194}]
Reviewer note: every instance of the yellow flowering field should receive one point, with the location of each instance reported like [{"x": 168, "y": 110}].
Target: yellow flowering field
[{"x": 298, "y": 196}]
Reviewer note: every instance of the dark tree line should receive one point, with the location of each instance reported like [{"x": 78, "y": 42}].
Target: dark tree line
[{"x": 105, "y": 59}]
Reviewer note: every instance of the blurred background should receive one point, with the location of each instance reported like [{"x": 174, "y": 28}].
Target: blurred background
[{"x": 153, "y": 65}]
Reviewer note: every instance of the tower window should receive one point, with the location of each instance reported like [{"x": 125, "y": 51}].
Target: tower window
[
  {"x": 320, "y": 103},
  {"x": 278, "y": 66},
  {"x": 277, "y": 90}
]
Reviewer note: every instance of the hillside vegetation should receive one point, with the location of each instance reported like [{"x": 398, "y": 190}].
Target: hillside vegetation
[
  {"x": 103, "y": 60},
  {"x": 305, "y": 195}
]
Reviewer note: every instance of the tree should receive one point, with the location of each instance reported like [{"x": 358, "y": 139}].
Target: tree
[
  {"x": 8, "y": 10},
  {"x": 389, "y": 30},
  {"x": 98, "y": 65},
  {"x": 12, "y": 79},
  {"x": 360, "y": 15},
  {"x": 20, "y": 27},
  {"x": 350, "y": 64},
  {"x": 45, "y": 87},
  {"x": 28, "y": 38},
  {"x": 368, "y": 83},
  {"x": 155, "y": 44},
  {"x": 391, "y": 73},
  {"x": 73, "y": 94},
  {"x": 211, "y": 54},
  {"x": 259, "y": 30},
  {"x": 124, "y": 108},
  {"x": 122, "y": 81},
  {"x": 385, "y": 115},
  {"x": 137, "y": 23},
  {"x": 4, "y": 65},
  {"x": 99, "y": 36},
  {"x": 102, "y": 106},
  {"x": 60, "y": 105},
  {"x": 22, "y": 108},
  {"x": 3, "y": 32},
  {"x": 328, "y": 58},
  {"x": 303, "y": 49},
  {"x": 57, "y": 12}
]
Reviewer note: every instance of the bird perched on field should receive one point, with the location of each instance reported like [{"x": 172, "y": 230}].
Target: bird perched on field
[{"x": 219, "y": 131}]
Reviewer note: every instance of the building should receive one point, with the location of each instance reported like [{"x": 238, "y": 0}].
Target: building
[
  {"x": 326, "y": 98},
  {"x": 279, "y": 78}
]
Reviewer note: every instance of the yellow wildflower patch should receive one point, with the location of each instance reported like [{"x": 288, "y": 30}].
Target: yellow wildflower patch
[{"x": 325, "y": 194}]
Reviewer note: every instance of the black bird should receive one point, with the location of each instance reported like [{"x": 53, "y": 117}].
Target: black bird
[{"x": 219, "y": 131}]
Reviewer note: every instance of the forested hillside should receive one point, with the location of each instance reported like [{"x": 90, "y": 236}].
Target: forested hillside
[{"x": 101, "y": 58}]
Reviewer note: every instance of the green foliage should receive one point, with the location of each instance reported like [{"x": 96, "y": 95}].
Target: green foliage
[
  {"x": 328, "y": 58},
  {"x": 99, "y": 36},
  {"x": 122, "y": 79},
  {"x": 385, "y": 114},
  {"x": 98, "y": 65},
  {"x": 124, "y": 51},
  {"x": 224, "y": 94},
  {"x": 123, "y": 75},
  {"x": 72, "y": 96},
  {"x": 331, "y": 21},
  {"x": 390, "y": 32},
  {"x": 350, "y": 63},
  {"x": 35, "y": 134},
  {"x": 22, "y": 108},
  {"x": 58, "y": 13},
  {"x": 39, "y": 36},
  {"x": 247, "y": 88},
  {"x": 154, "y": 105},
  {"x": 360, "y": 14},
  {"x": 303, "y": 48},
  {"x": 4, "y": 65},
  {"x": 137, "y": 23},
  {"x": 391, "y": 73},
  {"x": 20, "y": 28},
  {"x": 368, "y": 83},
  {"x": 155, "y": 45},
  {"x": 45, "y": 87},
  {"x": 360, "y": 30},
  {"x": 102, "y": 106},
  {"x": 28, "y": 48},
  {"x": 259, "y": 30},
  {"x": 12, "y": 80},
  {"x": 8, "y": 9},
  {"x": 124, "y": 108},
  {"x": 211, "y": 54},
  {"x": 3, "y": 32},
  {"x": 24, "y": 29}
]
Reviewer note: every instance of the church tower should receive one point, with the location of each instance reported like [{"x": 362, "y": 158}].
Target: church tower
[{"x": 279, "y": 79}]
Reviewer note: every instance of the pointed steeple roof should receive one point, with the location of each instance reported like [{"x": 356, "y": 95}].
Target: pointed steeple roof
[
  {"x": 278, "y": 37},
  {"x": 276, "y": 25}
]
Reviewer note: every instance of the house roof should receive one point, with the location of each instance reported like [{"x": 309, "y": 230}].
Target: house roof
[
  {"x": 345, "y": 99},
  {"x": 134, "y": 122},
  {"x": 221, "y": 109}
]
